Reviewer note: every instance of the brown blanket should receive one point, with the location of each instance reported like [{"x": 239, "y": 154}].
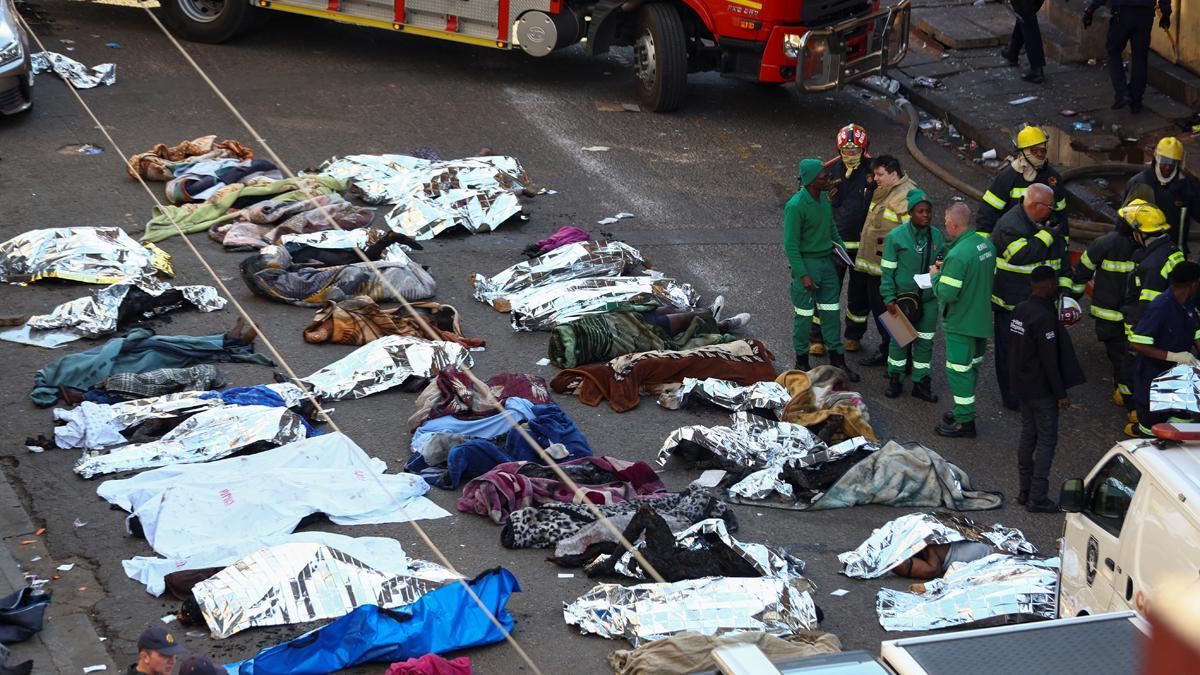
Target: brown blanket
[
  {"x": 359, "y": 320},
  {"x": 623, "y": 380}
]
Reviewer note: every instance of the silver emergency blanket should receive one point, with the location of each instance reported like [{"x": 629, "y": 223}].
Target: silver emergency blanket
[
  {"x": 98, "y": 425},
  {"x": 298, "y": 583},
  {"x": 767, "y": 560},
  {"x": 359, "y": 238},
  {"x": 1176, "y": 389},
  {"x": 998, "y": 585},
  {"x": 96, "y": 315},
  {"x": 79, "y": 75},
  {"x": 904, "y": 537},
  {"x": 477, "y": 193},
  {"x": 710, "y": 606},
  {"x": 546, "y": 306},
  {"x": 94, "y": 255},
  {"x": 580, "y": 260},
  {"x": 207, "y": 435},
  {"x": 764, "y": 446},
  {"x": 770, "y": 396},
  {"x": 186, "y": 507},
  {"x": 385, "y": 363}
]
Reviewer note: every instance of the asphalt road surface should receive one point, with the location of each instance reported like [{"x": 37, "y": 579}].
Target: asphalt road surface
[{"x": 707, "y": 186}]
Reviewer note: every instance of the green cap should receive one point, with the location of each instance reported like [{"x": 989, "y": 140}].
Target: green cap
[
  {"x": 916, "y": 197},
  {"x": 810, "y": 169}
]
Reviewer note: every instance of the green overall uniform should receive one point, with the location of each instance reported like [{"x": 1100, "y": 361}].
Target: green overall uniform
[
  {"x": 964, "y": 290},
  {"x": 808, "y": 237},
  {"x": 910, "y": 250}
]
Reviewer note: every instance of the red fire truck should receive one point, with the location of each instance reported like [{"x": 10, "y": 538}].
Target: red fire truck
[{"x": 818, "y": 44}]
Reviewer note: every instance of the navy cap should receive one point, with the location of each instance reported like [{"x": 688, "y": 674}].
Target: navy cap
[
  {"x": 198, "y": 665},
  {"x": 159, "y": 639}
]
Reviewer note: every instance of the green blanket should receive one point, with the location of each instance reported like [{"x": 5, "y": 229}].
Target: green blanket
[{"x": 602, "y": 337}]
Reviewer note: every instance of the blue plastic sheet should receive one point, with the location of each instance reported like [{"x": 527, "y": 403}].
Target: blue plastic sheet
[{"x": 441, "y": 621}]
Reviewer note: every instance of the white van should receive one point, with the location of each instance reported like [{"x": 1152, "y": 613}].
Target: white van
[{"x": 1132, "y": 523}]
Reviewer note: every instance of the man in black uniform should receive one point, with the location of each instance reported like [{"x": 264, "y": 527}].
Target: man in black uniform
[
  {"x": 1028, "y": 34},
  {"x": 1131, "y": 23},
  {"x": 1042, "y": 367},
  {"x": 1108, "y": 262},
  {"x": 1164, "y": 184},
  {"x": 850, "y": 197}
]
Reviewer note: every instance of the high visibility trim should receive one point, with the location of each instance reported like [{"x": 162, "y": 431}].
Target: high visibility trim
[
  {"x": 863, "y": 265},
  {"x": 1065, "y": 282},
  {"x": 959, "y": 367},
  {"x": 828, "y": 307},
  {"x": 1078, "y": 288},
  {"x": 950, "y": 281},
  {"x": 1086, "y": 261},
  {"x": 964, "y": 400},
  {"x": 1060, "y": 205},
  {"x": 1018, "y": 192},
  {"x": 1141, "y": 339},
  {"x": 1196, "y": 336},
  {"x": 856, "y": 318},
  {"x": 851, "y": 245},
  {"x": 1045, "y": 237},
  {"x": 899, "y": 363},
  {"x": 817, "y": 319},
  {"x": 977, "y": 360},
  {"x": 803, "y": 312},
  {"x": 924, "y": 336},
  {"x": 1148, "y": 295},
  {"x": 922, "y": 365},
  {"x": 1172, "y": 260},
  {"x": 1000, "y": 301},
  {"x": 1003, "y": 264},
  {"x": 993, "y": 201},
  {"x": 1117, "y": 265},
  {"x": 891, "y": 215},
  {"x": 1106, "y": 314},
  {"x": 1124, "y": 389},
  {"x": 985, "y": 235},
  {"x": 1011, "y": 249},
  {"x": 888, "y": 264}
]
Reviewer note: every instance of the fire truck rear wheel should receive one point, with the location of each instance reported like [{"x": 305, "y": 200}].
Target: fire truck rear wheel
[
  {"x": 209, "y": 21},
  {"x": 660, "y": 57}
]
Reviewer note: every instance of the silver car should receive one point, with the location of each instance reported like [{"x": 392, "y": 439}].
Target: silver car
[{"x": 16, "y": 71}]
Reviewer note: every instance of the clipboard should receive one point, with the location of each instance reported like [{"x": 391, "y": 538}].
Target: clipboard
[
  {"x": 840, "y": 254},
  {"x": 899, "y": 328}
]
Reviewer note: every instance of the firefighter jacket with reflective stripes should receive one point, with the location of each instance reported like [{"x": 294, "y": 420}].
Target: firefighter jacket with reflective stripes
[
  {"x": 1108, "y": 262},
  {"x": 808, "y": 230},
  {"x": 1021, "y": 246},
  {"x": 1149, "y": 278},
  {"x": 964, "y": 286},
  {"x": 1008, "y": 190},
  {"x": 1179, "y": 193},
  {"x": 851, "y": 198},
  {"x": 909, "y": 250},
  {"x": 888, "y": 208}
]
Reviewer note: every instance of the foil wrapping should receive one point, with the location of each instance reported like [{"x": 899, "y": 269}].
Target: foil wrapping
[
  {"x": 1176, "y": 389},
  {"x": 359, "y": 238},
  {"x": 580, "y": 260},
  {"x": 904, "y": 537},
  {"x": 767, "y": 560},
  {"x": 94, "y": 255},
  {"x": 546, "y": 306},
  {"x": 770, "y": 396},
  {"x": 710, "y": 606},
  {"x": 207, "y": 435},
  {"x": 996, "y": 586},
  {"x": 79, "y": 75},
  {"x": 385, "y": 363},
  {"x": 477, "y": 194},
  {"x": 96, "y": 315},
  {"x": 303, "y": 582}
]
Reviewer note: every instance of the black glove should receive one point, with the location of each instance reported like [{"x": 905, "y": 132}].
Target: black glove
[
  {"x": 1165, "y": 22},
  {"x": 1087, "y": 18}
]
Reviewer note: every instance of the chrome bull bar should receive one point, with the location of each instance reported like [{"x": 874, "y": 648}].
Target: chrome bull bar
[{"x": 822, "y": 63}]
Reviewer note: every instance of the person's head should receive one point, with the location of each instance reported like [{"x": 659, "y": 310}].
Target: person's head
[
  {"x": 813, "y": 176},
  {"x": 1168, "y": 156},
  {"x": 1043, "y": 281},
  {"x": 958, "y": 220},
  {"x": 886, "y": 170},
  {"x": 198, "y": 665},
  {"x": 920, "y": 209},
  {"x": 1185, "y": 280},
  {"x": 1031, "y": 143},
  {"x": 852, "y": 144},
  {"x": 1038, "y": 202},
  {"x": 1147, "y": 220},
  {"x": 157, "y": 651}
]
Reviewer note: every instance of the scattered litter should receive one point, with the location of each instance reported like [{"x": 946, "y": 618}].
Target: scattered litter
[
  {"x": 70, "y": 44},
  {"x": 607, "y": 106},
  {"x": 565, "y": 575},
  {"x": 1091, "y": 62},
  {"x": 79, "y": 523},
  {"x": 192, "y": 634},
  {"x": 1067, "y": 112},
  {"x": 103, "y": 639},
  {"x": 1023, "y": 100},
  {"x": 80, "y": 149},
  {"x": 26, "y": 542},
  {"x": 94, "y": 669},
  {"x": 40, "y": 532},
  {"x": 543, "y": 362},
  {"x": 931, "y": 125},
  {"x": 168, "y": 618},
  {"x": 710, "y": 478},
  {"x": 79, "y": 75},
  {"x": 596, "y": 148},
  {"x": 885, "y": 83},
  {"x": 37, "y": 583},
  {"x": 1083, "y": 127},
  {"x": 81, "y": 589},
  {"x": 988, "y": 154},
  {"x": 34, "y": 448},
  {"x": 66, "y": 568},
  {"x": 113, "y": 45},
  {"x": 953, "y": 131},
  {"x": 840, "y": 592},
  {"x": 613, "y": 219},
  {"x": 35, "y": 558},
  {"x": 928, "y": 82}
]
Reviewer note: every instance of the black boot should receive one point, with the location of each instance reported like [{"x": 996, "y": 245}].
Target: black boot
[
  {"x": 895, "y": 387},
  {"x": 839, "y": 361},
  {"x": 1042, "y": 505},
  {"x": 801, "y": 362},
  {"x": 1009, "y": 57},
  {"x": 1035, "y": 75},
  {"x": 924, "y": 391},
  {"x": 963, "y": 430},
  {"x": 948, "y": 417},
  {"x": 876, "y": 359}
]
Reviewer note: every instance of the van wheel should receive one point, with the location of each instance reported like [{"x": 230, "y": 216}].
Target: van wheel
[
  {"x": 210, "y": 21},
  {"x": 660, "y": 57}
]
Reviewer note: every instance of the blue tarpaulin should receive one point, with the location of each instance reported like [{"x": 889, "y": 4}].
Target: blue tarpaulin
[{"x": 443, "y": 620}]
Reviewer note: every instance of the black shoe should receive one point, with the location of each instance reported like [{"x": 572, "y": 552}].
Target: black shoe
[
  {"x": 894, "y": 388},
  {"x": 839, "y": 361},
  {"x": 964, "y": 430},
  {"x": 1023, "y": 497},
  {"x": 1012, "y": 405},
  {"x": 1135, "y": 107},
  {"x": 1035, "y": 75},
  {"x": 1009, "y": 58},
  {"x": 1120, "y": 102},
  {"x": 948, "y": 417},
  {"x": 801, "y": 362},
  {"x": 1042, "y": 505},
  {"x": 924, "y": 391},
  {"x": 876, "y": 359}
]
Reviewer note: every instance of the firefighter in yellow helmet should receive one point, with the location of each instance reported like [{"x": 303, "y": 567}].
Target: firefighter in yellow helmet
[
  {"x": 1026, "y": 167},
  {"x": 1165, "y": 185},
  {"x": 1152, "y": 264}
]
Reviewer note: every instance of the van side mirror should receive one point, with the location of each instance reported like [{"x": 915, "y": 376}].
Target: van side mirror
[{"x": 1070, "y": 498}]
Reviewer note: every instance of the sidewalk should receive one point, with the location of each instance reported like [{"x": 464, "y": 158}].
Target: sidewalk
[{"x": 68, "y": 642}]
